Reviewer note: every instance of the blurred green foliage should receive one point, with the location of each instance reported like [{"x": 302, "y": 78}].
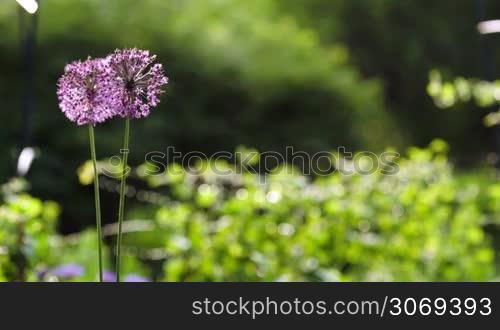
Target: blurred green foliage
[
  {"x": 447, "y": 94},
  {"x": 399, "y": 42},
  {"x": 423, "y": 223},
  {"x": 311, "y": 74},
  {"x": 224, "y": 222},
  {"x": 32, "y": 250},
  {"x": 27, "y": 230}
]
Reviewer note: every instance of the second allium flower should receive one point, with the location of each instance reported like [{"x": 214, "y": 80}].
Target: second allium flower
[{"x": 138, "y": 81}]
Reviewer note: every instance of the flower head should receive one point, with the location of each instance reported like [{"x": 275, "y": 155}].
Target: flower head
[
  {"x": 138, "y": 81},
  {"x": 85, "y": 92}
]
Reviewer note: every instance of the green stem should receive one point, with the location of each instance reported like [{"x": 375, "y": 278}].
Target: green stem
[
  {"x": 96, "y": 199},
  {"x": 122, "y": 197}
]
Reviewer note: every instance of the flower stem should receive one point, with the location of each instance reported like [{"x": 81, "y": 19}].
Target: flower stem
[
  {"x": 96, "y": 199},
  {"x": 122, "y": 197}
]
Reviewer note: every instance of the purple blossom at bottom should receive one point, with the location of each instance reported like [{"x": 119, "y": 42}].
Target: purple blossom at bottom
[
  {"x": 136, "y": 278},
  {"x": 108, "y": 276},
  {"x": 68, "y": 271},
  {"x": 138, "y": 81},
  {"x": 41, "y": 274}
]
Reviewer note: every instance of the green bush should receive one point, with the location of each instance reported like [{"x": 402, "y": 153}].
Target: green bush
[
  {"x": 31, "y": 249},
  {"x": 447, "y": 94},
  {"x": 421, "y": 224},
  {"x": 27, "y": 232}
]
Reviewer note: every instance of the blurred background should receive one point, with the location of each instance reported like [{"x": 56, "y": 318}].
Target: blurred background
[{"x": 260, "y": 75}]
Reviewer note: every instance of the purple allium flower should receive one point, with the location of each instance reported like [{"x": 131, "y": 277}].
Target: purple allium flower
[
  {"x": 138, "y": 81},
  {"x": 136, "y": 278},
  {"x": 85, "y": 92},
  {"x": 109, "y": 276},
  {"x": 68, "y": 271}
]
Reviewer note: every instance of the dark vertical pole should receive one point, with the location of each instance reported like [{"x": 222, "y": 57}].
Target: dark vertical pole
[
  {"x": 485, "y": 46},
  {"x": 27, "y": 33},
  {"x": 487, "y": 64},
  {"x": 27, "y": 27}
]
